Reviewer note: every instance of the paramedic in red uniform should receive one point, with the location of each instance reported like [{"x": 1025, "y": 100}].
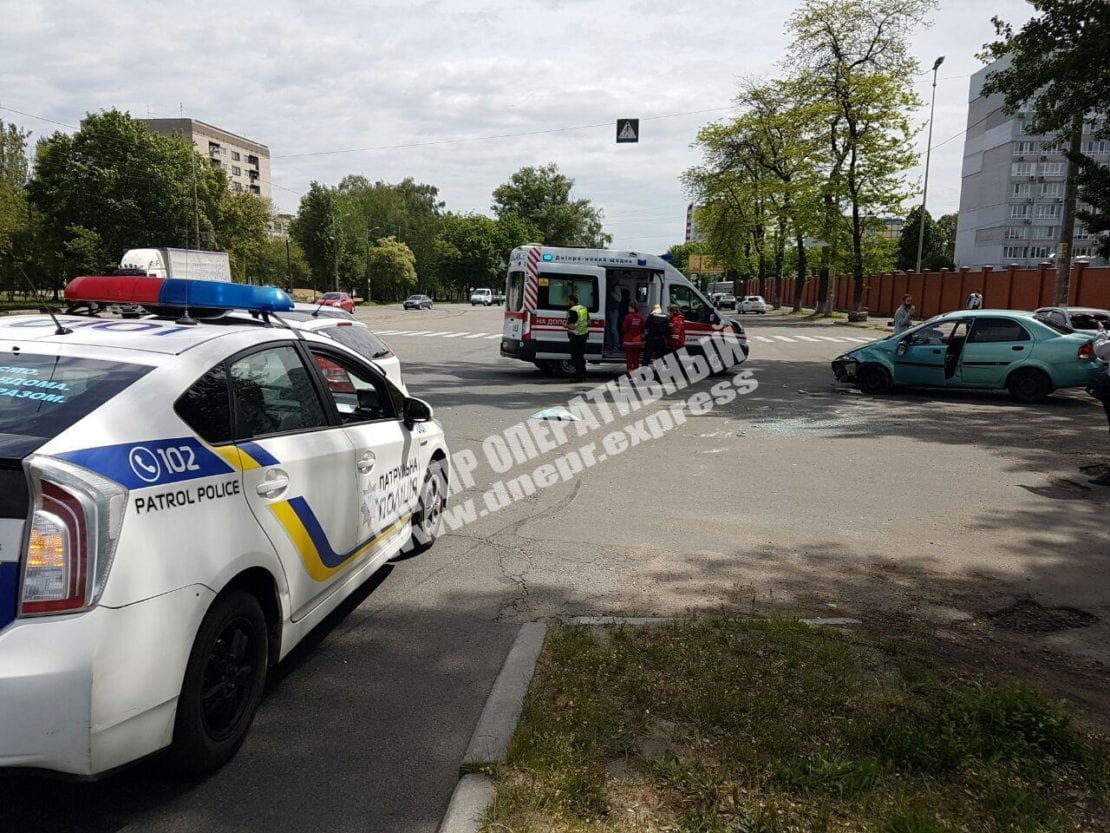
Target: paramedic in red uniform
[
  {"x": 676, "y": 338},
  {"x": 632, "y": 336}
]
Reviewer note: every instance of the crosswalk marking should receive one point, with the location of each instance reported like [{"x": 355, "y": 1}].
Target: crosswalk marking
[
  {"x": 859, "y": 340},
  {"x": 785, "y": 338},
  {"x": 436, "y": 335},
  {"x": 477, "y": 335},
  {"x": 761, "y": 338},
  {"x": 418, "y": 332},
  {"x": 837, "y": 339},
  {"x": 495, "y": 335},
  {"x": 807, "y": 338},
  {"x": 455, "y": 335}
]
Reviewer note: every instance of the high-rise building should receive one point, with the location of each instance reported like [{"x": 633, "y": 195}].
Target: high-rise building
[
  {"x": 246, "y": 162},
  {"x": 1012, "y": 193},
  {"x": 693, "y": 233}
]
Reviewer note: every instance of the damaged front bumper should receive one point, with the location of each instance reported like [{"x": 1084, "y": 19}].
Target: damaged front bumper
[{"x": 844, "y": 368}]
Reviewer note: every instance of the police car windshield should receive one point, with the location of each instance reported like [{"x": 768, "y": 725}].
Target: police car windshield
[{"x": 41, "y": 396}]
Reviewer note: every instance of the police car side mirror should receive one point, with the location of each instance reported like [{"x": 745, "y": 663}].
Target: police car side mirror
[{"x": 417, "y": 410}]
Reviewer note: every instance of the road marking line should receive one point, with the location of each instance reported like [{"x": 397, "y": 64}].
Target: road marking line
[
  {"x": 858, "y": 340},
  {"x": 837, "y": 339},
  {"x": 807, "y": 338},
  {"x": 785, "y": 338},
  {"x": 761, "y": 338},
  {"x": 436, "y": 335},
  {"x": 455, "y": 335},
  {"x": 418, "y": 332},
  {"x": 478, "y": 335},
  {"x": 497, "y": 335},
  {"x": 385, "y": 332}
]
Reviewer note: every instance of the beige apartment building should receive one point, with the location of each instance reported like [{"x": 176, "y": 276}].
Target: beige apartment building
[{"x": 246, "y": 163}]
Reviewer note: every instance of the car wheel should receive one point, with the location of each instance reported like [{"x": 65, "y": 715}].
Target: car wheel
[
  {"x": 1029, "y": 386},
  {"x": 874, "y": 378},
  {"x": 427, "y": 521},
  {"x": 223, "y": 685}
]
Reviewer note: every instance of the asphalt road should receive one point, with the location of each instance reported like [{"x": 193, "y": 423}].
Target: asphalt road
[{"x": 918, "y": 509}]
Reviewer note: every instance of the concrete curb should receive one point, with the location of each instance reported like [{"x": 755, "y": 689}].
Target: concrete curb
[{"x": 495, "y": 728}]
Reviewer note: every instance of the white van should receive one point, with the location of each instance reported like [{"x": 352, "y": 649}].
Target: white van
[{"x": 542, "y": 278}]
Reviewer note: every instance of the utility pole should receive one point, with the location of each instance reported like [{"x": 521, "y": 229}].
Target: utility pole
[
  {"x": 928, "y": 155},
  {"x": 288, "y": 265}
]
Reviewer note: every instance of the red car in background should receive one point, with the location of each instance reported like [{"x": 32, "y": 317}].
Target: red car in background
[{"x": 338, "y": 299}]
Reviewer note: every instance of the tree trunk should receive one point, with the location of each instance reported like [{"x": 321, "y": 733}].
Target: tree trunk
[
  {"x": 826, "y": 254},
  {"x": 800, "y": 278},
  {"x": 1067, "y": 225}
]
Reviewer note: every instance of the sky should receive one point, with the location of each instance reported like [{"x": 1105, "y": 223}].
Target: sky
[{"x": 455, "y": 94}]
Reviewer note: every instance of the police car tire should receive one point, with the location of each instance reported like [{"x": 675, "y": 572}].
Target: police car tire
[
  {"x": 198, "y": 747},
  {"x": 433, "y": 496}
]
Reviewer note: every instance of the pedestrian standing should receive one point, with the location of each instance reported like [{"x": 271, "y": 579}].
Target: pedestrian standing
[
  {"x": 676, "y": 334},
  {"x": 632, "y": 335},
  {"x": 578, "y": 333},
  {"x": 657, "y": 327},
  {"x": 903, "y": 316},
  {"x": 1102, "y": 389},
  {"x": 612, "y": 320}
]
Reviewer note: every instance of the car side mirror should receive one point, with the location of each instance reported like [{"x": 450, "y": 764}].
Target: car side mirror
[
  {"x": 417, "y": 410},
  {"x": 903, "y": 346}
]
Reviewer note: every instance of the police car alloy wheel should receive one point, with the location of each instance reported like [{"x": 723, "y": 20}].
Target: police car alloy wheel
[
  {"x": 223, "y": 684},
  {"x": 428, "y": 520}
]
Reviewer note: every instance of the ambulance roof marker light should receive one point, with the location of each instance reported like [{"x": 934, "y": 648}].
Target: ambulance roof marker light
[{"x": 547, "y": 256}]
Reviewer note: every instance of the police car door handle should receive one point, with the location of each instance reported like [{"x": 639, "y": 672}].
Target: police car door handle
[
  {"x": 276, "y": 482},
  {"x": 366, "y": 462}
]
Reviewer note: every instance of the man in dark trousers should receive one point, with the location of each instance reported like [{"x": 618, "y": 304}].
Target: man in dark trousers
[
  {"x": 657, "y": 328},
  {"x": 578, "y": 332}
]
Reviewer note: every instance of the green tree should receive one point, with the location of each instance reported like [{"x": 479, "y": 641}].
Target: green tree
[
  {"x": 279, "y": 261},
  {"x": 113, "y": 185},
  {"x": 1059, "y": 67},
  {"x": 541, "y": 196},
  {"x": 410, "y": 211},
  {"x": 242, "y": 231},
  {"x": 392, "y": 269},
  {"x": 853, "y": 56},
  {"x": 473, "y": 249},
  {"x": 946, "y": 241},
  {"x": 318, "y": 232},
  {"x": 14, "y": 213},
  {"x": 907, "y": 241},
  {"x": 680, "y": 254}
]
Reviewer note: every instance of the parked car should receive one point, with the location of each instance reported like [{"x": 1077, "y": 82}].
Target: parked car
[
  {"x": 1075, "y": 318},
  {"x": 481, "y": 296},
  {"x": 723, "y": 300},
  {"x": 994, "y": 349},
  {"x": 753, "y": 303},
  {"x": 303, "y": 312},
  {"x": 418, "y": 302},
  {"x": 337, "y": 299}
]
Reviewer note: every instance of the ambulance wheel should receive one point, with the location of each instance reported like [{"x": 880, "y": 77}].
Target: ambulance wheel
[
  {"x": 563, "y": 367},
  {"x": 223, "y": 685},
  {"x": 427, "y": 520}
]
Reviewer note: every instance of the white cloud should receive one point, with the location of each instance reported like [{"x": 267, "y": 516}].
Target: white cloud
[{"x": 319, "y": 76}]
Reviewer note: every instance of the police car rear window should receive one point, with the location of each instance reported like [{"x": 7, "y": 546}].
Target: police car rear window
[
  {"x": 42, "y": 396},
  {"x": 361, "y": 340}
]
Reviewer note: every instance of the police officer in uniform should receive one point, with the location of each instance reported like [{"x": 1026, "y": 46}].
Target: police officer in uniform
[{"x": 578, "y": 331}]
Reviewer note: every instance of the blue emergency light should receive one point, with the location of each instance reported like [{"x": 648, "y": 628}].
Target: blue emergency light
[
  {"x": 548, "y": 256},
  {"x": 177, "y": 292}
]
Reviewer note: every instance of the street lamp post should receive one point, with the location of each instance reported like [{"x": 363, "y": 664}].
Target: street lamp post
[{"x": 928, "y": 154}]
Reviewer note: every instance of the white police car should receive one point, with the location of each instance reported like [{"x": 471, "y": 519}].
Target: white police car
[{"x": 179, "y": 505}]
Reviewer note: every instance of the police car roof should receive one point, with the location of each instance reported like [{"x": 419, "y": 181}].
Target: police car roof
[{"x": 162, "y": 336}]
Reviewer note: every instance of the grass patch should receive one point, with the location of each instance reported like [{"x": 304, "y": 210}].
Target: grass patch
[{"x": 761, "y": 726}]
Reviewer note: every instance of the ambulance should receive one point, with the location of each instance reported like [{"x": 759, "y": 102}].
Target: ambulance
[{"x": 541, "y": 280}]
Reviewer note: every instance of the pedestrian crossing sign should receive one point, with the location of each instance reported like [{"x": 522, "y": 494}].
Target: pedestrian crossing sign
[{"x": 628, "y": 130}]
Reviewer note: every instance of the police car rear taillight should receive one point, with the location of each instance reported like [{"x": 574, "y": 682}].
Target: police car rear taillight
[
  {"x": 75, "y": 523},
  {"x": 55, "y": 576}
]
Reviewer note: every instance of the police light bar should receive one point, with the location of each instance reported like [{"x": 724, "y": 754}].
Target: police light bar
[{"x": 176, "y": 292}]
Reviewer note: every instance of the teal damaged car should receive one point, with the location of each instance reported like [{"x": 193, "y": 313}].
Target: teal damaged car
[{"x": 992, "y": 349}]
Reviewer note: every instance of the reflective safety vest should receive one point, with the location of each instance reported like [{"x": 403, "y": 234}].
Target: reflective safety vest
[{"x": 582, "y": 322}]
